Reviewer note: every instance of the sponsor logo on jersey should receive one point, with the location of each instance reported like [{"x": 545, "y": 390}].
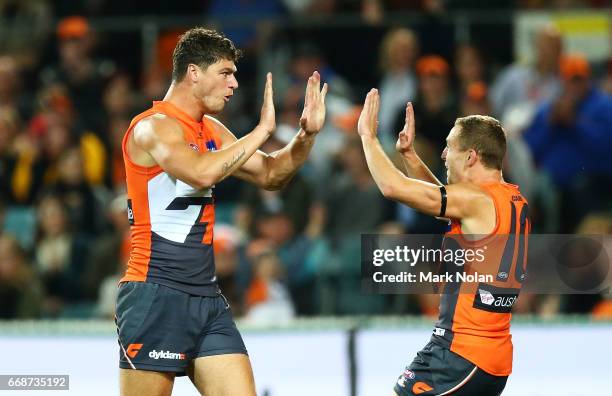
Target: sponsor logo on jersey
[
  {"x": 486, "y": 297},
  {"x": 439, "y": 331},
  {"x": 495, "y": 299},
  {"x": 130, "y": 211},
  {"x": 409, "y": 374},
  {"x": 194, "y": 146},
  {"x": 166, "y": 355},
  {"x": 211, "y": 145}
]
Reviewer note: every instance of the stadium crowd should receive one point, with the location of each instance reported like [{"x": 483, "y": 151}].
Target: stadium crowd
[{"x": 68, "y": 93}]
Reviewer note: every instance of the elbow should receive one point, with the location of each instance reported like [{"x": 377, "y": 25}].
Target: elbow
[
  {"x": 204, "y": 182},
  {"x": 274, "y": 185},
  {"x": 387, "y": 190},
  {"x": 275, "y": 182}
]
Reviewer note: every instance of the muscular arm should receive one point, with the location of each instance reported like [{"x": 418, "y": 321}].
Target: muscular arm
[
  {"x": 270, "y": 171},
  {"x": 162, "y": 139},
  {"x": 464, "y": 202}
]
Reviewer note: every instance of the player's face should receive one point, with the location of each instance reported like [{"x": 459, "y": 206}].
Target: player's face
[
  {"x": 454, "y": 157},
  {"x": 217, "y": 85}
]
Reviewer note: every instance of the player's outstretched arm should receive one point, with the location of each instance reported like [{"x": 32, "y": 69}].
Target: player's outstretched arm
[
  {"x": 415, "y": 167},
  {"x": 463, "y": 200},
  {"x": 162, "y": 138},
  {"x": 273, "y": 171}
]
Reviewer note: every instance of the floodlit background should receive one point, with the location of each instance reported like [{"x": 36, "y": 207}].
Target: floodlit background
[{"x": 74, "y": 73}]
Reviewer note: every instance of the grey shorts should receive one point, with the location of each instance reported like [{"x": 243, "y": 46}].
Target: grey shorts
[
  {"x": 163, "y": 329},
  {"x": 438, "y": 371}
]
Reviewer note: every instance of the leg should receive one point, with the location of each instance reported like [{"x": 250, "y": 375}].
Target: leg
[
  {"x": 141, "y": 382},
  {"x": 224, "y": 375}
]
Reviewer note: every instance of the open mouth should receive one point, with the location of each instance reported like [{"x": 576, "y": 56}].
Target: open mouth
[{"x": 227, "y": 98}]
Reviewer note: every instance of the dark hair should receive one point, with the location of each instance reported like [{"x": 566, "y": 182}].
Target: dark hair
[
  {"x": 202, "y": 47},
  {"x": 486, "y": 136}
]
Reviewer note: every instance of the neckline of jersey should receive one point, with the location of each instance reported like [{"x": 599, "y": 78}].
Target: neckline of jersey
[
  {"x": 503, "y": 183},
  {"x": 178, "y": 112}
]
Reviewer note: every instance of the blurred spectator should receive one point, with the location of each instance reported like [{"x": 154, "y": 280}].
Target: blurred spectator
[
  {"x": 435, "y": 108},
  {"x": 354, "y": 204},
  {"x": 20, "y": 173},
  {"x": 12, "y": 92},
  {"x": 606, "y": 84},
  {"x": 77, "y": 195},
  {"x": 59, "y": 256},
  {"x": 293, "y": 250},
  {"x": 109, "y": 252},
  {"x": 528, "y": 86},
  {"x": 255, "y": 11},
  {"x": 570, "y": 139},
  {"x": 20, "y": 290},
  {"x": 306, "y": 59},
  {"x": 398, "y": 51},
  {"x": 470, "y": 67},
  {"x": 57, "y": 126},
  {"x": 24, "y": 29},
  {"x": 435, "y": 111},
  {"x": 79, "y": 71},
  {"x": 107, "y": 260},
  {"x": 119, "y": 97},
  {"x": 294, "y": 199},
  {"x": 117, "y": 126},
  {"x": 475, "y": 99},
  {"x": 267, "y": 299}
]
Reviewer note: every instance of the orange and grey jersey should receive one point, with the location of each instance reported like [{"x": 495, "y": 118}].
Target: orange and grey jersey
[
  {"x": 171, "y": 222},
  {"x": 475, "y": 318}
]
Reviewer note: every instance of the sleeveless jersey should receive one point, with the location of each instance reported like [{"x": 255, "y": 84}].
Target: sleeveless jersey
[
  {"x": 475, "y": 318},
  {"x": 171, "y": 222}
]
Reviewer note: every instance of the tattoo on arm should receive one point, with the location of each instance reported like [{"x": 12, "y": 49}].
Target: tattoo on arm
[{"x": 229, "y": 166}]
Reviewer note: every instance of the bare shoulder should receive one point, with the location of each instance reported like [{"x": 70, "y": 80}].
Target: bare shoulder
[
  {"x": 475, "y": 207},
  {"x": 471, "y": 193},
  {"x": 156, "y": 127}
]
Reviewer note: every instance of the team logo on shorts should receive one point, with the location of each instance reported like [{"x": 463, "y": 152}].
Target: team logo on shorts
[
  {"x": 421, "y": 387},
  {"x": 133, "y": 349}
]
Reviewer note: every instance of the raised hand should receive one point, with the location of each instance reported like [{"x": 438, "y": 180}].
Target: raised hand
[
  {"x": 368, "y": 120},
  {"x": 313, "y": 115},
  {"x": 405, "y": 139},
  {"x": 267, "y": 119}
]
